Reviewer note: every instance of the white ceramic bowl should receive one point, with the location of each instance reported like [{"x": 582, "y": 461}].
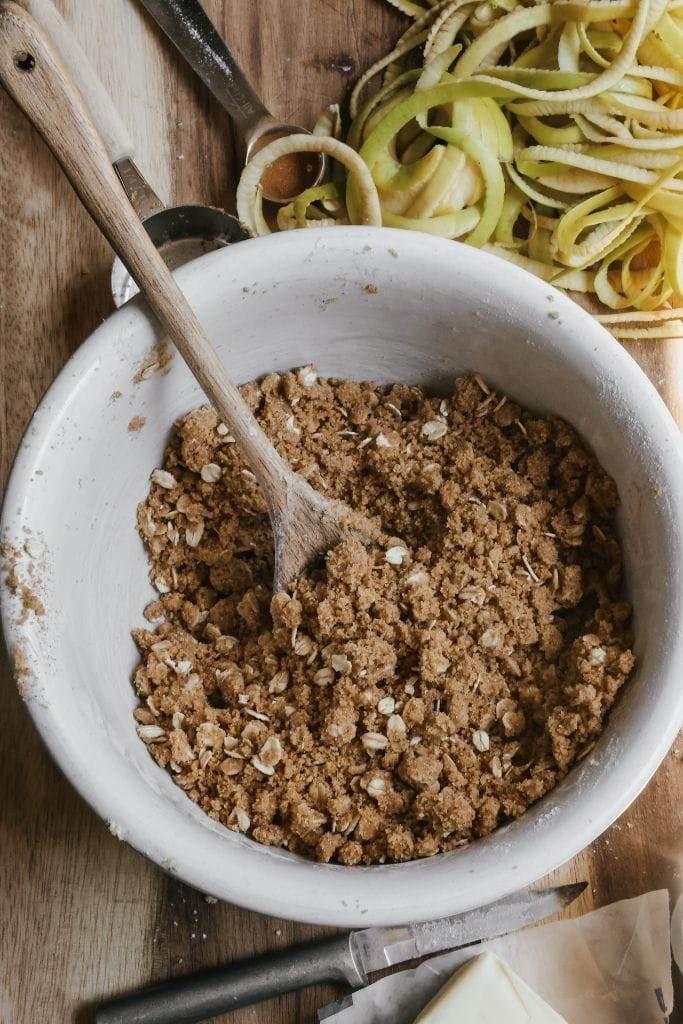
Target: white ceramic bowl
[{"x": 440, "y": 309}]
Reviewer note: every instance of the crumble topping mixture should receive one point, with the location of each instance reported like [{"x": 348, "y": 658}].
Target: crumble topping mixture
[{"x": 407, "y": 697}]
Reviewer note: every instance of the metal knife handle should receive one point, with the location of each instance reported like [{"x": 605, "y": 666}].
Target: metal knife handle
[
  {"x": 198, "y": 997},
  {"x": 188, "y": 27}
]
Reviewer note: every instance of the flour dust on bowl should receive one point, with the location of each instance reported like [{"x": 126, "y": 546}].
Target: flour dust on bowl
[{"x": 434, "y": 310}]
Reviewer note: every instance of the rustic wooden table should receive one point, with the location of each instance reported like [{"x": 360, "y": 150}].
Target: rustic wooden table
[{"x": 81, "y": 914}]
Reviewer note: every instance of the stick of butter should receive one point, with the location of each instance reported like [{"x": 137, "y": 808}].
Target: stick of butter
[{"x": 487, "y": 991}]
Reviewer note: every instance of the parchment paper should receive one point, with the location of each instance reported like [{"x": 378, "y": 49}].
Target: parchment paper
[
  {"x": 677, "y": 934},
  {"x": 612, "y": 966}
]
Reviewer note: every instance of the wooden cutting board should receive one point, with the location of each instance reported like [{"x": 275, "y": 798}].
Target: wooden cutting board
[{"x": 81, "y": 914}]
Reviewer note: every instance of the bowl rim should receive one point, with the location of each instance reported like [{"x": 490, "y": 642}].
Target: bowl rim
[{"x": 593, "y": 339}]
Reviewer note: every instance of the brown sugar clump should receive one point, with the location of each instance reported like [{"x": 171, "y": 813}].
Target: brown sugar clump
[
  {"x": 21, "y": 581},
  {"x": 406, "y": 697}
]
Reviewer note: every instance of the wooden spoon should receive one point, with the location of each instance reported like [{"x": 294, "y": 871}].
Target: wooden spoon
[{"x": 305, "y": 525}]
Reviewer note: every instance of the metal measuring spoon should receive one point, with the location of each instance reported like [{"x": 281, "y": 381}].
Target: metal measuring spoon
[
  {"x": 181, "y": 233},
  {"x": 188, "y": 27}
]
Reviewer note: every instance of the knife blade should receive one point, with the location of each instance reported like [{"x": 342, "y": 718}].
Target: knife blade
[
  {"x": 345, "y": 958},
  {"x": 377, "y": 948}
]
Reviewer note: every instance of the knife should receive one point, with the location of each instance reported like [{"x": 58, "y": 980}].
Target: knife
[{"x": 346, "y": 958}]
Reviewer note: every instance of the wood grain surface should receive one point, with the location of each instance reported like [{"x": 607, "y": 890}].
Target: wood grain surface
[{"x": 82, "y": 916}]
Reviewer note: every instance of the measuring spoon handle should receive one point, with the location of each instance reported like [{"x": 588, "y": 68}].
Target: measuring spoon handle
[
  {"x": 35, "y": 78},
  {"x": 187, "y": 26},
  {"x": 104, "y": 114},
  {"x": 111, "y": 128}
]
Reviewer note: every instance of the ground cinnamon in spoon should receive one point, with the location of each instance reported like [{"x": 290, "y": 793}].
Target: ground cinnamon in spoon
[
  {"x": 289, "y": 175},
  {"x": 406, "y": 698}
]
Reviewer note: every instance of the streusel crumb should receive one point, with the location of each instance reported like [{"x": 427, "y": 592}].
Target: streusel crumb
[{"x": 408, "y": 696}]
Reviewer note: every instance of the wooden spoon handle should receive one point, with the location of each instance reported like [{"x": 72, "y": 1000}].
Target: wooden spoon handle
[{"x": 35, "y": 78}]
